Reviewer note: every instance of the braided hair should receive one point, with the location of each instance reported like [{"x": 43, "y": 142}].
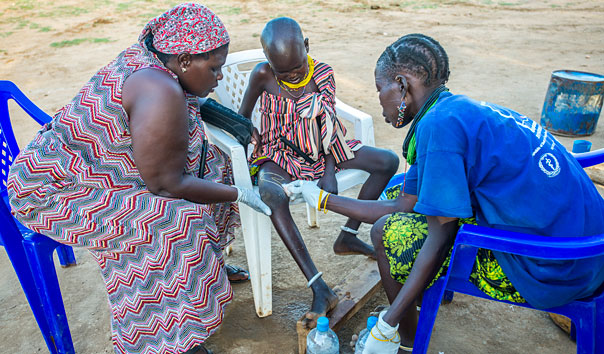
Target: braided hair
[{"x": 419, "y": 54}]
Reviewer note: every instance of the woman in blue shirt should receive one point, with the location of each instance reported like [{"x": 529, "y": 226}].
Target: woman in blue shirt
[{"x": 470, "y": 162}]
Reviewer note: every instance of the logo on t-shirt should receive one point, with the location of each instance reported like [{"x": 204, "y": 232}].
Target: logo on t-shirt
[{"x": 549, "y": 165}]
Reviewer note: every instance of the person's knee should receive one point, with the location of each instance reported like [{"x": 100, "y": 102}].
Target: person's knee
[
  {"x": 272, "y": 196},
  {"x": 377, "y": 233},
  {"x": 390, "y": 162}
]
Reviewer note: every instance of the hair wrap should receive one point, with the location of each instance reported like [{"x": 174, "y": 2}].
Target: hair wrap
[{"x": 187, "y": 28}]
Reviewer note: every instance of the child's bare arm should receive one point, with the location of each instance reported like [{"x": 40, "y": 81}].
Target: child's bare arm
[{"x": 258, "y": 79}]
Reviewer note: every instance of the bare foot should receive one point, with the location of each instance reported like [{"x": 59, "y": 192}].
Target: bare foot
[
  {"x": 323, "y": 302},
  {"x": 347, "y": 244}
]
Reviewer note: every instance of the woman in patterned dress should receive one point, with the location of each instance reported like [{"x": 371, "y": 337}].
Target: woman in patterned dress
[
  {"x": 470, "y": 162},
  {"x": 119, "y": 171}
]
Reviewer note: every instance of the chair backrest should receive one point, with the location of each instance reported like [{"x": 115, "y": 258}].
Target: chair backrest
[
  {"x": 236, "y": 71},
  {"x": 8, "y": 144}
]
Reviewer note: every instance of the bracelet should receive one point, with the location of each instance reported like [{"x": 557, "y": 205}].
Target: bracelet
[
  {"x": 325, "y": 204},
  {"x": 319, "y": 205},
  {"x": 349, "y": 230},
  {"x": 385, "y": 340},
  {"x": 382, "y": 334},
  {"x": 313, "y": 279}
]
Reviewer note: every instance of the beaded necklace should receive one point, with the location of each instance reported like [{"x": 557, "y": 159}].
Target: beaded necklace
[{"x": 291, "y": 88}]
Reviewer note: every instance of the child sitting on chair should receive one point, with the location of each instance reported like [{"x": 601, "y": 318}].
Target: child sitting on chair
[{"x": 300, "y": 137}]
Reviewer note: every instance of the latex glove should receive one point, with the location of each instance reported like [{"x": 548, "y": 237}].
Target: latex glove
[
  {"x": 388, "y": 342},
  {"x": 307, "y": 189},
  {"x": 250, "y": 198}
]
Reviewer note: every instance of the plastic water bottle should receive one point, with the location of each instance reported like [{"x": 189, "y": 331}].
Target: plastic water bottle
[
  {"x": 364, "y": 334},
  {"x": 322, "y": 340}
]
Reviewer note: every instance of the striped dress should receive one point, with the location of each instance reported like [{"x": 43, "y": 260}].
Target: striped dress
[
  {"x": 161, "y": 258},
  {"x": 310, "y": 123}
]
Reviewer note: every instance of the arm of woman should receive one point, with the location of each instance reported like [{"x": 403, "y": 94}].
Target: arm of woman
[
  {"x": 158, "y": 120},
  {"x": 367, "y": 211},
  {"x": 441, "y": 234}
]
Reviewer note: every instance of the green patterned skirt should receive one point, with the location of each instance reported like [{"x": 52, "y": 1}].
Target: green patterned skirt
[{"x": 404, "y": 236}]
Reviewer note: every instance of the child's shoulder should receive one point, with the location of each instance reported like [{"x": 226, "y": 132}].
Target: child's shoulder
[
  {"x": 261, "y": 74},
  {"x": 322, "y": 66}
]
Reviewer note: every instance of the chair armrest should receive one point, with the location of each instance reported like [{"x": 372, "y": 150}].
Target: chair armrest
[
  {"x": 544, "y": 247},
  {"x": 231, "y": 147},
  {"x": 590, "y": 158},
  {"x": 25, "y": 103},
  {"x": 363, "y": 123}
]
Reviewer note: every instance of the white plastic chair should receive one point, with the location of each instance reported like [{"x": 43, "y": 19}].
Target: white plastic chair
[{"x": 257, "y": 226}]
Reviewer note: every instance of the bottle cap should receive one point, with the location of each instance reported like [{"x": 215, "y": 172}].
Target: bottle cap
[
  {"x": 371, "y": 321},
  {"x": 322, "y": 324}
]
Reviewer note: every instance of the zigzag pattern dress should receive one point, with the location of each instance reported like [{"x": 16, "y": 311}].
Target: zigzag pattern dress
[
  {"x": 161, "y": 258},
  {"x": 284, "y": 117}
]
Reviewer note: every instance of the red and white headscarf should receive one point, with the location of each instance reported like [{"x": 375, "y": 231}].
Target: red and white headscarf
[{"x": 187, "y": 28}]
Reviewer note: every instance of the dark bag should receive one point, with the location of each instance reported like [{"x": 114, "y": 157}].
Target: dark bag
[{"x": 226, "y": 119}]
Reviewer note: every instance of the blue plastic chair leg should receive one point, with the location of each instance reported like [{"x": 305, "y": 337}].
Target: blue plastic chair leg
[
  {"x": 598, "y": 331},
  {"x": 66, "y": 256},
  {"x": 585, "y": 330},
  {"x": 39, "y": 251},
  {"x": 448, "y": 297},
  {"x": 427, "y": 316}
]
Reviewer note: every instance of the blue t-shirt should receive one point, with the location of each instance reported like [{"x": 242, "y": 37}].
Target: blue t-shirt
[{"x": 477, "y": 158}]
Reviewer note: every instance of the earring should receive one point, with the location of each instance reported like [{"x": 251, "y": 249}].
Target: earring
[
  {"x": 401, "y": 113},
  {"x": 184, "y": 70}
]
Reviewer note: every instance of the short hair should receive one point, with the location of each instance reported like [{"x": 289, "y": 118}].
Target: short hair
[{"x": 420, "y": 54}]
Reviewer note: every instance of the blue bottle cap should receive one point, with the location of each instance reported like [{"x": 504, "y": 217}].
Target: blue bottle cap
[
  {"x": 322, "y": 324},
  {"x": 371, "y": 321}
]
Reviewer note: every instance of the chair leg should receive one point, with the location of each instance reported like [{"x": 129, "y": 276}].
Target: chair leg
[
  {"x": 430, "y": 304},
  {"x": 585, "y": 330},
  {"x": 257, "y": 238},
  {"x": 18, "y": 258},
  {"x": 66, "y": 256},
  {"x": 448, "y": 297},
  {"x": 598, "y": 331},
  {"x": 312, "y": 216},
  {"x": 39, "y": 254}
]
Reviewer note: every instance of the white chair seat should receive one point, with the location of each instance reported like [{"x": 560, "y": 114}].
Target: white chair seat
[{"x": 257, "y": 226}]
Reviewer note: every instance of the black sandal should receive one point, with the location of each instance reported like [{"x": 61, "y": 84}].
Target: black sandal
[{"x": 235, "y": 274}]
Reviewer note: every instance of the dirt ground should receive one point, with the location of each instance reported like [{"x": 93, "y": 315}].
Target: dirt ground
[{"x": 500, "y": 51}]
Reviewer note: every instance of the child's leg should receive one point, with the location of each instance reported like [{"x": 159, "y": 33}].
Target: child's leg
[
  {"x": 381, "y": 165},
  {"x": 271, "y": 177}
]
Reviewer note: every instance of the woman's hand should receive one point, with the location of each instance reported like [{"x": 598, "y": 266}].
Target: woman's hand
[
  {"x": 383, "y": 338},
  {"x": 251, "y": 199},
  {"x": 305, "y": 189},
  {"x": 257, "y": 142}
]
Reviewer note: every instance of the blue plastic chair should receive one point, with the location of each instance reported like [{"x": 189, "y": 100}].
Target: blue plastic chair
[
  {"x": 587, "y": 315},
  {"x": 29, "y": 252}
]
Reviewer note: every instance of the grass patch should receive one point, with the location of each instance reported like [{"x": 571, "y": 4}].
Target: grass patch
[
  {"x": 45, "y": 29},
  {"x": 63, "y": 10},
  {"x": 23, "y": 5},
  {"x": 78, "y": 41},
  {"x": 5, "y": 34},
  {"x": 245, "y": 20}
]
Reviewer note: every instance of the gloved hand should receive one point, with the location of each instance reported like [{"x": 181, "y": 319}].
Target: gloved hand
[
  {"x": 250, "y": 198},
  {"x": 307, "y": 189},
  {"x": 383, "y": 339}
]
